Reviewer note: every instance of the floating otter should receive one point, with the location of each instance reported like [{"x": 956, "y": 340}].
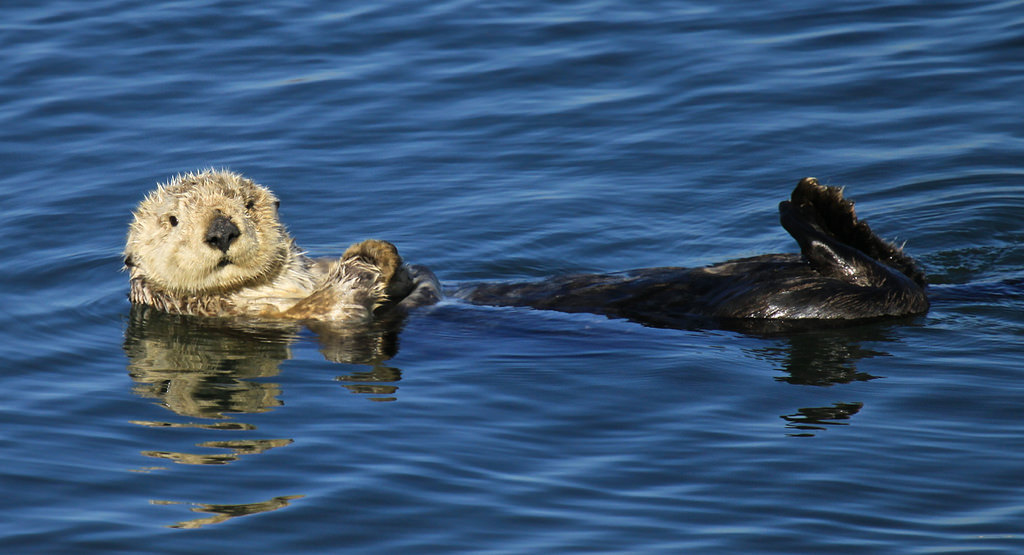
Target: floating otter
[
  {"x": 211, "y": 244},
  {"x": 844, "y": 272}
]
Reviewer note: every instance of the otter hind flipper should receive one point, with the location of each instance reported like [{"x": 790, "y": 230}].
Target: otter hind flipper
[{"x": 836, "y": 243}]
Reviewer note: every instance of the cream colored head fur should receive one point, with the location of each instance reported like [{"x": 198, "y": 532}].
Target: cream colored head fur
[{"x": 169, "y": 243}]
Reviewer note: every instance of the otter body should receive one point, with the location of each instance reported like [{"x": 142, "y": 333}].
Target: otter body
[
  {"x": 211, "y": 244},
  {"x": 844, "y": 272}
]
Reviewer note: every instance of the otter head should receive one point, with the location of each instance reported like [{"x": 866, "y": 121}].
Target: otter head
[{"x": 206, "y": 233}]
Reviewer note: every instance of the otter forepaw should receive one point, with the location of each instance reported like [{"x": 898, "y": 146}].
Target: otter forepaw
[{"x": 381, "y": 254}]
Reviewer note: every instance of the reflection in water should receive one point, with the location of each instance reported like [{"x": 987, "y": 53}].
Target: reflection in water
[
  {"x": 373, "y": 382},
  {"x": 226, "y": 512},
  {"x": 818, "y": 418},
  {"x": 823, "y": 358},
  {"x": 367, "y": 344},
  {"x": 213, "y": 370},
  {"x": 200, "y": 371},
  {"x": 237, "y": 448},
  {"x": 210, "y": 426}
]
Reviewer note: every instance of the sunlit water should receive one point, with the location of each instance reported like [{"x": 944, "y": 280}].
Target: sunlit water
[{"x": 496, "y": 141}]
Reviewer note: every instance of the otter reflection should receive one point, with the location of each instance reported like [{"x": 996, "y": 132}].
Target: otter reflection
[
  {"x": 236, "y": 449},
  {"x": 201, "y": 372},
  {"x": 808, "y": 420},
  {"x": 825, "y": 357},
  {"x": 222, "y": 512},
  {"x": 210, "y": 371},
  {"x": 212, "y": 368}
]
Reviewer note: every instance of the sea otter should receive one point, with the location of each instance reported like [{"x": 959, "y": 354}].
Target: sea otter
[
  {"x": 844, "y": 272},
  {"x": 210, "y": 244}
]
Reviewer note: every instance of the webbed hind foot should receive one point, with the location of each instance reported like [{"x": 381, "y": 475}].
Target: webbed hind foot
[{"x": 831, "y": 237}]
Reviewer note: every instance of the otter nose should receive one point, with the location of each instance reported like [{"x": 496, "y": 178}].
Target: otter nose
[{"x": 221, "y": 233}]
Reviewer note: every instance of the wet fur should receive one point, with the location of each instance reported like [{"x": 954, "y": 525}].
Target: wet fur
[
  {"x": 844, "y": 272},
  {"x": 175, "y": 265}
]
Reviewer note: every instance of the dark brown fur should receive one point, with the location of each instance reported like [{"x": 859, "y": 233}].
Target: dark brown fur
[{"x": 844, "y": 272}]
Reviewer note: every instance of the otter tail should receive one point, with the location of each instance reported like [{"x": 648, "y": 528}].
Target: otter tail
[{"x": 836, "y": 242}]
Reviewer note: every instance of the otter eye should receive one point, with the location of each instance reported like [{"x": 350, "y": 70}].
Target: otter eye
[
  {"x": 250, "y": 205},
  {"x": 172, "y": 220},
  {"x": 277, "y": 204}
]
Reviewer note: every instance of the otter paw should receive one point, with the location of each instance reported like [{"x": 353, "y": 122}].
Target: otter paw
[{"x": 381, "y": 254}]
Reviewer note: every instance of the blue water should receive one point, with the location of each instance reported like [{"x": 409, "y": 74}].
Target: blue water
[{"x": 500, "y": 141}]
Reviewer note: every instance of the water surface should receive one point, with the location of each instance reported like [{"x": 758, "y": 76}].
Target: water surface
[{"x": 513, "y": 141}]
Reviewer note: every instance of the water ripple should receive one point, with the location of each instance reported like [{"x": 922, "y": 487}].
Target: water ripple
[{"x": 510, "y": 141}]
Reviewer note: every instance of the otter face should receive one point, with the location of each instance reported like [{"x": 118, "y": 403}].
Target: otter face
[{"x": 208, "y": 232}]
